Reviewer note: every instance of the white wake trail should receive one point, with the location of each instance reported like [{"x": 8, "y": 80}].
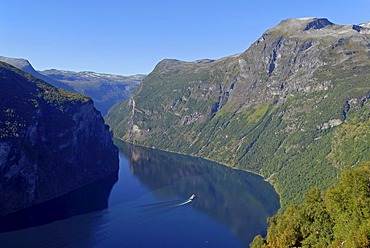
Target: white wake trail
[
  {"x": 191, "y": 198},
  {"x": 186, "y": 202}
]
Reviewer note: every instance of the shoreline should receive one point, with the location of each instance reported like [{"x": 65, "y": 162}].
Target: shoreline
[{"x": 209, "y": 159}]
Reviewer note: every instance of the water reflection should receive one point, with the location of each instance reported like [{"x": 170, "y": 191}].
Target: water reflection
[
  {"x": 149, "y": 207},
  {"x": 239, "y": 200},
  {"x": 87, "y": 199}
]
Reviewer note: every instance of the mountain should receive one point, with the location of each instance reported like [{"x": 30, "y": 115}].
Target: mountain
[
  {"x": 25, "y": 65},
  {"x": 294, "y": 107},
  {"x": 52, "y": 141},
  {"x": 105, "y": 89}
]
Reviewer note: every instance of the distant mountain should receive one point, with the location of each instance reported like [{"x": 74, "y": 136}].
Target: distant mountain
[
  {"x": 52, "y": 141},
  {"x": 105, "y": 89},
  {"x": 294, "y": 107},
  {"x": 25, "y": 65}
]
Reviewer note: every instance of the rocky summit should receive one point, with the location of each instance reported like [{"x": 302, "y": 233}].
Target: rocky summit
[
  {"x": 294, "y": 107},
  {"x": 52, "y": 141}
]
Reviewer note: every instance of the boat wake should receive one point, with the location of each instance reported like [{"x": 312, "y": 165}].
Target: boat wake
[
  {"x": 122, "y": 219},
  {"x": 159, "y": 204},
  {"x": 168, "y": 204},
  {"x": 191, "y": 198}
]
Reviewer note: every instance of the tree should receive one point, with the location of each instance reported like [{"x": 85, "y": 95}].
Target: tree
[
  {"x": 338, "y": 218},
  {"x": 349, "y": 206}
]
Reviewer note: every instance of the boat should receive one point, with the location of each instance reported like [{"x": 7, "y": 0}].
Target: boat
[{"x": 192, "y": 197}]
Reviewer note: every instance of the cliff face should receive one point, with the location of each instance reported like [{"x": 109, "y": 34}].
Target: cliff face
[
  {"x": 284, "y": 108},
  {"x": 51, "y": 141}
]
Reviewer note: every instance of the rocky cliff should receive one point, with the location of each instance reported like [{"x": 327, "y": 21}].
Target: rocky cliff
[
  {"x": 52, "y": 141},
  {"x": 293, "y": 107}
]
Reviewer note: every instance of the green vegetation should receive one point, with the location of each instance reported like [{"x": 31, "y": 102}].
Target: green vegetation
[
  {"x": 104, "y": 89},
  {"x": 351, "y": 144},
  {"x": 23, "y": 95},
  {"x": 293, "y": 108},
  {"x": 44, "y": 133},
  {"x": 337, "y": 217}
]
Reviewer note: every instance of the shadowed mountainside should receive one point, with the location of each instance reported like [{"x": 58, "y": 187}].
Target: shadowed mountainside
[{"x": 52, "y": 141}]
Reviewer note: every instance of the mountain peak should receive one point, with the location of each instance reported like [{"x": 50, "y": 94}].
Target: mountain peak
[
  {"x": 318, "y": 23},
  {"x": 304, "y": 24},
  {"x": 22, "y": 64},
  {"x": 365, "y": 25},
  {"x": 25, "y": 65},
  {"x": 297, "y": 81}
]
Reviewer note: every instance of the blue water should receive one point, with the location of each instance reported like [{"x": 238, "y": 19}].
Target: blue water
[{"x": 149, "y": 207}]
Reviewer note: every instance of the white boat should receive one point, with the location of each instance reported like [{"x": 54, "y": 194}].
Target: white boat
[{"x": 192, "y": 197}]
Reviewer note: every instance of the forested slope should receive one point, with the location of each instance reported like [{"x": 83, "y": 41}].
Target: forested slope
[{"x": 294, "y": 107}]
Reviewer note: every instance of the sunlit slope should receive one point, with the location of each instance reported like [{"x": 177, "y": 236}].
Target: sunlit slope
[{"x": 293, "y": 107}]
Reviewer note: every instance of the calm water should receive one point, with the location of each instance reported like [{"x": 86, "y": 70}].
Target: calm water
[{"x": 148, "y": 207}]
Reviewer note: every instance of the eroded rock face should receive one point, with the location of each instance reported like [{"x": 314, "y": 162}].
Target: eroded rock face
[{"x": 51, "y": 141}]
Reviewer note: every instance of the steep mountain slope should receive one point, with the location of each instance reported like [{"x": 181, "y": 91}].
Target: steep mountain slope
[
  {"x": 285, "y": 108},
  {"x": 25, "y": 65},
  {"x": 105, "y": 89},
  {"x": 52, "y": 141}
]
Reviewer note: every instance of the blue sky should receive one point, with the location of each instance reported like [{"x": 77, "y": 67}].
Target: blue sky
[{"x": 130, "y": 37}]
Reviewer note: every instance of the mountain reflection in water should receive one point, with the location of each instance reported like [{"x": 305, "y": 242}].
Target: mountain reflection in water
[
  {"x": 239, "y": 200},
  {"x": 87, "y": 199},
  {"x": 149, "y": 207}
]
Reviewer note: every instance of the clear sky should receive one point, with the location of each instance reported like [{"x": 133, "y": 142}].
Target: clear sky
[{"x": 130, "y": 37}]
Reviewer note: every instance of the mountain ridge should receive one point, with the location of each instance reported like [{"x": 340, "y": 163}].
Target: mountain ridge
[
  {"x": 104, "y": 89},
  {"x": 25, "y": 65},
  {"x": 65, "y": 73},
  {"x": 52, "y": 141},
  {"x": 270, "y": 109}
]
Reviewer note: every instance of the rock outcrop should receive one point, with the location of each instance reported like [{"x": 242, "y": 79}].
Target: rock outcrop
[{"x": 52, "y": 141}]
